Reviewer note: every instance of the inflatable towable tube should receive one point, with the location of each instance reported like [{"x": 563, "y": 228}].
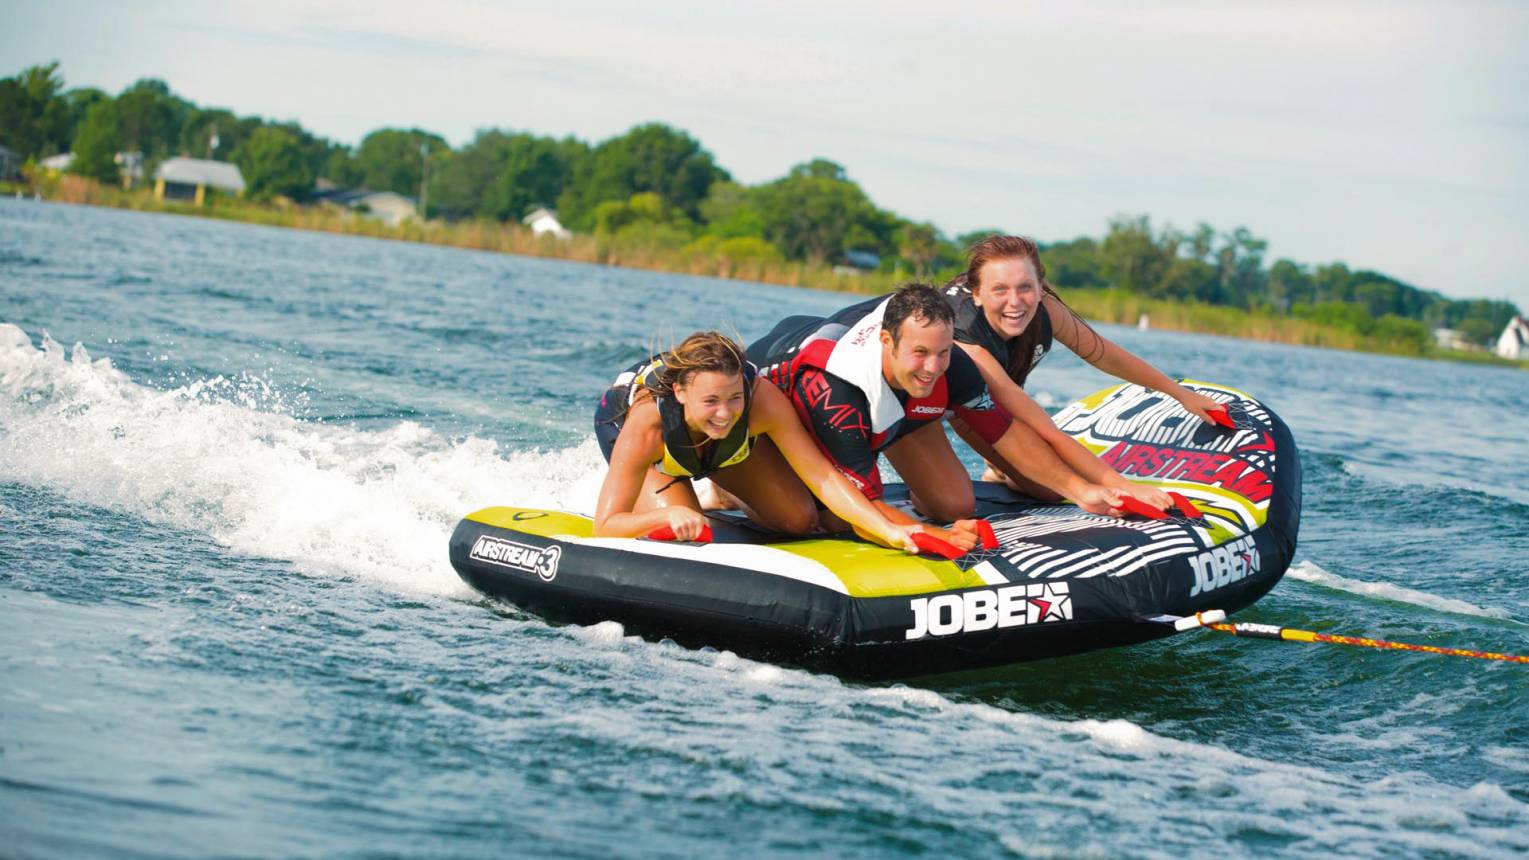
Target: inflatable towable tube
[{"x": 1060, "y": 581}]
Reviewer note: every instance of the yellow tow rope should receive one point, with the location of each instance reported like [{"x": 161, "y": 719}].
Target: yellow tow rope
[{"x": 1289, "y": 634}]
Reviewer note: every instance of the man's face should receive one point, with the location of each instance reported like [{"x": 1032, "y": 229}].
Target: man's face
[{"x": 920, "y": 357}]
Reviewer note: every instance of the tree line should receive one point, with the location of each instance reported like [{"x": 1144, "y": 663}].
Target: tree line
[{"x": 657, "y": 184}]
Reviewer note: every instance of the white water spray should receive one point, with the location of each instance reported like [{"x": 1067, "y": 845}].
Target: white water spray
[{"x": 205, "y": 457}]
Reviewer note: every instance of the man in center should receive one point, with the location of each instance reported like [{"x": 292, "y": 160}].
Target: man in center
[{"x": 878, "y": 377}]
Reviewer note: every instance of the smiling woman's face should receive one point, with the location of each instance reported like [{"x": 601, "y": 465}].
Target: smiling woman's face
[
  {"x": 1007, "y": 291},
  {"x": 713, "y": 402}
]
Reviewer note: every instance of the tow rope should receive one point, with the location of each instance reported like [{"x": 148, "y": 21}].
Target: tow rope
[{"x": 1215, "y": 620}]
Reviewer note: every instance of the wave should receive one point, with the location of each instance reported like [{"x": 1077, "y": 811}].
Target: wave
[
  {"x": 223, "y": 456},
  {"x": 1109, "y": 775},
  {"x": 1307, "y": 571}
]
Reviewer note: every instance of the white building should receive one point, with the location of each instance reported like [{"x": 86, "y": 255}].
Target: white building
[
  {"x": 57, "y": 163},
  {"x": 543, "y": 221},
  {"x": 1448, "y": 338},
  {"x": 388, "y": 207},
  {"x": 1514, "y": 342},
  {"x": 182, "y": 178}
]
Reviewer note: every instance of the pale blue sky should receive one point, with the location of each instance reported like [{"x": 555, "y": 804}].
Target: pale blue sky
[{"x": 1392, "y": 136}]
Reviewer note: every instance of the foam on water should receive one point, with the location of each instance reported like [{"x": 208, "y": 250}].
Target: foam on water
[
  {"x": 219, "y": 456},
  {"x": 990, "y": 761},
  {"x": 1309, "y": 571}
]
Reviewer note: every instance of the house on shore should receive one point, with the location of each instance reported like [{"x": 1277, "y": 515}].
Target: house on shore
[
  {"x": 543, "y": 222},
  {"x": 858, "y": 262},
  {"x": 1514, "y": 342},
  {"x": 182, "y": 178},
  {"x": 57, "y": 163},
  {"x": 389, "y": 207},
  {"x": 1448, "y": 338}
]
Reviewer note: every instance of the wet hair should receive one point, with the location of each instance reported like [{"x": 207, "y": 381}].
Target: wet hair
[
  {"x": 919, "y": 302},
  {"x": 997, "y": 247},
  {"x": 701, "y": 352}
]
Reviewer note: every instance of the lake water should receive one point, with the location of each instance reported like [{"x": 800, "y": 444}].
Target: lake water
[{"x": 230, "y": 458}]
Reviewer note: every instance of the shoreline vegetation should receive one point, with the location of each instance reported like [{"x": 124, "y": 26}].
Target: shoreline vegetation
[
  {"x": 654, "y": 198},
  {"x": 1107, "y": 305}
]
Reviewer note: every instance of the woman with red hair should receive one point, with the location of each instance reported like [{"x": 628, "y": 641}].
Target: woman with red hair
[{"x": 1007, "y": 318}]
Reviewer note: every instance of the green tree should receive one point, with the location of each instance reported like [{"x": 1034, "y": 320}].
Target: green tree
[
  {"x": 614, "y": 216},
  {"x": 1484, "y": 319},
  {"x": 1239, "y": 267},
  {"x": 1202, "y": 242},
  {"x": 1478, "y": 330},
  {"x": 649, "y": 158},
  {"x": 918, "y": 244},
  {"x": 97, "y": 143},
  {"x": 340, "y": 168},
  {"x": 1075, "y": 264},
  {"x": 34, "y": 119},
  {"x": 1405, "y": 334},
  {"x": 23, "y": 107},
  {"x": 531, "y": 171},
  {"x": 150, "y": 117},
  {"x": 1133, "y": 259},
  {"x": 502, "y": 175},
  {"x": 316, "y": 151},
  {"x": 972, "y": 237},
  {"x": 273, "y": 163},
  {"x": 77, "y": 103},
  {"x": 203, "y": 126},
  {"x": 816, "y": 213},
  {"x": 729, "y": 212},
  {"x": 1348, "y": 316},
  {"x": 1288, "y": 284},
  {"x": 390, "y": 159}
]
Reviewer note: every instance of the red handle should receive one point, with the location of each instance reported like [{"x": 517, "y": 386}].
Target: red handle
[
  {"x": 985, "y": 532},
  {"x": 934, "y": 546},
  {"x": 1133, "y": 505},
  {"x": 1222, "y": 416},
  {"x": 1185, "y": 506},
  {"x": 667, "y": 533}
]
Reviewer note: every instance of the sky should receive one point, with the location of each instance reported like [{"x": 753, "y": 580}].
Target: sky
[{"x": 1389, "y": 135}]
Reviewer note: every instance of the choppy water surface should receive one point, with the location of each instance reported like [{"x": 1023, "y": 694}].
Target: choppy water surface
[{"x": 230, "y": 457}]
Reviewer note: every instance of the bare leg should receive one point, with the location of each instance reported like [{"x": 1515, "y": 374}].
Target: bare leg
[
  {"x": 999, "y": 470},
  {"x": 766, "y": 489},
  {"x": 655, "y": 493},
  {"x": 713, "y": 497},
  {"x": 937, "y": 482}
]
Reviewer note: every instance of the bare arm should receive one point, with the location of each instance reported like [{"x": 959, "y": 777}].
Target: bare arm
[
  {"x": 637, "y": 448},
  {"x": 1119, "y": 362},
  {"x": 1070, "y": 451},
  {"x": 1021, "y": 445},
  {"x": 772, "y": 414},
  {"x": 962, "y": 534}
]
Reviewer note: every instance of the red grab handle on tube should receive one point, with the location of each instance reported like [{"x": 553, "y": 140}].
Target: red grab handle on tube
[
  {"x": 985, "y": 532},
  {"x": 1133, "y": 505},
  {"x": 1185, "y": 506},
  {"x": 1223, "y": 417},
  {"x": 667, "y": 533},
  {"x": 934, "y": 546}
]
